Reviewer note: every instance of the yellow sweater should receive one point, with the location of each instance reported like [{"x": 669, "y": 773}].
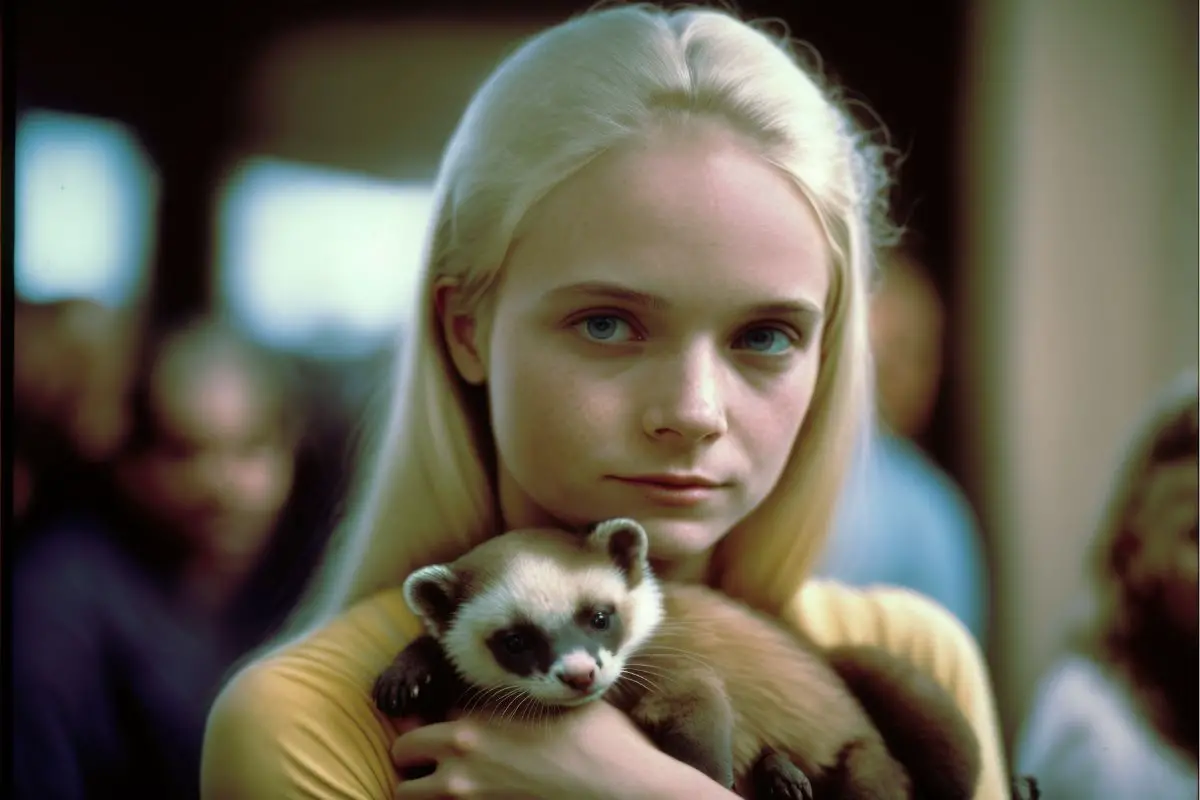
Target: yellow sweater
[{"x": 301, "y": 724}]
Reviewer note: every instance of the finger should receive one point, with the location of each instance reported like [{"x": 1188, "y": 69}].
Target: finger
[
  {"x": 420, "y": 788},
  {"x": 419, "y": 782},
  {"x": 407, "y": 725},
  {"x": 432, "y": 743},
  {"x": 438, "y": 785}
]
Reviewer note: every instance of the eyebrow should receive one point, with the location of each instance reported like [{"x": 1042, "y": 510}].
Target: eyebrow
[{"x": 615, "y": 291}]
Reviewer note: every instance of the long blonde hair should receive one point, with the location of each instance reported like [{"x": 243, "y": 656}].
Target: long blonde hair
[{"x": 562, "y": 98}]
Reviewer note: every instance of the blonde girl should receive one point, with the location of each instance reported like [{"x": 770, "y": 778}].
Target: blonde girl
[{"x": 644, "y": 295}]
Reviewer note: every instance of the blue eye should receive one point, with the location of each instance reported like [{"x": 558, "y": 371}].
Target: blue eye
[
  {"x": 602, "y": 327},
  {"x": 766, "y": 341}
]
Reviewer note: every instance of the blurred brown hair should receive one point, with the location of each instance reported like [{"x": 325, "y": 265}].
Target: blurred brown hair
[{"x": 1144, "y": 567}]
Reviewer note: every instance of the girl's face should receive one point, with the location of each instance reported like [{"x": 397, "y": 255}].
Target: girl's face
[{"x": 653, "y": 347}]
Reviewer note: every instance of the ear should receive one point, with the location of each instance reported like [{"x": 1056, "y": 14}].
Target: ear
[
  {"x": 433, "y": 595},
  {"x": 625, "y": 542},
  {"x": 459, "y": 329}
]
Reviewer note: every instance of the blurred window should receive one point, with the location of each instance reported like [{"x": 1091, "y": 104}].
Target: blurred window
[
  {"x": 319, "y": 261},
  {"x": 85, "y": 211}
]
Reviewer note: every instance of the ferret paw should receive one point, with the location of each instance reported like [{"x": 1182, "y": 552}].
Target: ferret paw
[
  {"x": 406, "y": 688},
  {"x": 397, "y": 692},
  {"x": 777, "y": 778}
]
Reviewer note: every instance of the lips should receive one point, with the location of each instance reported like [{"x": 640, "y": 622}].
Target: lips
[
  {"x": 674, "y": 481},
  {"x": 674, "y": 490}
]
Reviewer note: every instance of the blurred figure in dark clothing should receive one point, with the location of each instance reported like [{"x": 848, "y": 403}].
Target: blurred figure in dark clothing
[
  {"x": 127, "y": 615},
  {"x": 71, "y": 370}
]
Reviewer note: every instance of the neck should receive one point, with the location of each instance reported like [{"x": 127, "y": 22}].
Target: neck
[
  {"x": 517, "y": 509},
  {"x": 692, "y": 569},
  {"x": 210, "y": 583}
]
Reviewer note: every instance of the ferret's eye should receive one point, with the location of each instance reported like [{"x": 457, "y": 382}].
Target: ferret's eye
[
  {"x": 600, "y": 620},
  {"x": 514, "y": 643}
]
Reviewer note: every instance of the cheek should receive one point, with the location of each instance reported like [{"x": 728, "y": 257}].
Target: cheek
[
  {"x": 551, "y": 416},
  {"x": 168, "y": 481},
  {"x": 773, "y": 416},
  {"x": 262, "y": 482}
]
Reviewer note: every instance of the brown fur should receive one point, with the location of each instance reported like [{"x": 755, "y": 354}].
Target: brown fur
[
  {"x": 714, "y": 661},
  {"x": 734, "y": 693}
]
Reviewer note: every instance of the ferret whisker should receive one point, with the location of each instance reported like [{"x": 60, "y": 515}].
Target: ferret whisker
[
  {"x": 639, "y": 680},
  {"x": 492, "y": 695},
  {"x": 529, "y": 711},
  {"x": 513, "y": 714},
  {"x": 647, "y": 667},
  {"x": 494, "y": 698},
  {"x": 675, "y": 652},
  {"x": 518, "y": 698},
  {"x": 472, "y": 698}
]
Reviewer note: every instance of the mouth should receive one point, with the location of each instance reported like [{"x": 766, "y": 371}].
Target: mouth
[
  {"x": 675, "y": 489},
  {"x": 673, "y": 480}
]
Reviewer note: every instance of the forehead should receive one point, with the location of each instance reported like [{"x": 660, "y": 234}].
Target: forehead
[
  {"x": 544, "y": 590},
  {"x": 217, "y": 399},
  {"x": 695, "y": 215}
]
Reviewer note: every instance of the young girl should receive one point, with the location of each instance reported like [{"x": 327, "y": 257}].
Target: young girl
[{"x": 644, "y": 296}]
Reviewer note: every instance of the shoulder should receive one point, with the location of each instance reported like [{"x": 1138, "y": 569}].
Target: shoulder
[
  {"x": 67, "y": 571},
  {"x": 1084, "y": 735},
  {"x": 1074, "y": 680},
  {"x": 907, "y": 462},
  {"x": 65, "y": 549},
  {"x": 897, "y": 619},
  {"x": 299, "y": 721},
  {"x": 911, "y": 626},
  {"x": 1074, "y": 700}
]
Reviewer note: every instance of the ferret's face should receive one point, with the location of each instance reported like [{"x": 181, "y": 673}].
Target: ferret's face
[{"x": 543, "y": 614}]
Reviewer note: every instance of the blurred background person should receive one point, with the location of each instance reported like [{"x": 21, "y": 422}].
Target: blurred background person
[
  {"x": 128, "y": 612},
  {"x": 1116, "y": 716},
  {"x": 71, "y": 365},
  {"x": 903, "y": 520}
]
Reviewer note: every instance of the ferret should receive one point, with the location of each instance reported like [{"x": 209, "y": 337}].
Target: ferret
[{"x": 542, "y": 620}]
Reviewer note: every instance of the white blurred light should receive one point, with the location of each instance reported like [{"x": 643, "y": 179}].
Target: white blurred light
[
  {"x": 318, "y": 260},
  {"x": 85, "y": 211}
]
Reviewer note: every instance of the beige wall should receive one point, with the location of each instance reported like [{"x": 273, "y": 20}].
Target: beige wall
[
  {"x": 377, "y": 97},
  {"x": 1080, "y": 184}
]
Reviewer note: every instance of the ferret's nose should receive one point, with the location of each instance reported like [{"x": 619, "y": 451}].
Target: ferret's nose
[{"x": 578, "y": 678}]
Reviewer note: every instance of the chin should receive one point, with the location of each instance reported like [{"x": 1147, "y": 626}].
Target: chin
[{"x": 676, "y": 539}]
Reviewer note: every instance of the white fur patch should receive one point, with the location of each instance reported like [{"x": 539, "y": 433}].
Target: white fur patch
[
  {"x": 539, "y": 588},
  {"x": 437, "y": 573}
]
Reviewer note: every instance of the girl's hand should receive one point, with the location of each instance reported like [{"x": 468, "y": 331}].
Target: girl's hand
[{"x": 591, "y": 752}]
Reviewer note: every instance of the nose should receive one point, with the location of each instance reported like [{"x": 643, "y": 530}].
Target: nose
[
  {"x": 578, "y": 678},
  {"x": 689, "y": 406}
]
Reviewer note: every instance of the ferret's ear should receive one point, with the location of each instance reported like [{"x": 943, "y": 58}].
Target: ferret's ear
[
  {"x": 625, "y": 542},
  {"x": 433, "y": 594}
]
